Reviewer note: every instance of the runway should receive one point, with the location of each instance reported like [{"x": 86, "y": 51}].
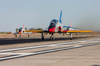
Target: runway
[
  {"x": 50, "y": 45},
  {"x": 44, "y": 48},
  {"x": 62, "y": 46}
]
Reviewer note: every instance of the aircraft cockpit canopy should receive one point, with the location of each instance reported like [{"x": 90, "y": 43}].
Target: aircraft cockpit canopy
[
  {"x": 54, "y": 21},
  {"x": 20, "y": 29}
]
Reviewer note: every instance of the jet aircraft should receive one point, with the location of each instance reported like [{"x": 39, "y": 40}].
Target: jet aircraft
[{"x": 56, "y": 26}]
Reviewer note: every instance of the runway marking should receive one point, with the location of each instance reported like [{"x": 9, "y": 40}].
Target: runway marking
[
  {"x": 32, "y": 53},
  {"x": 42, "y": 46},
  {"x": 19, "y": 55}
]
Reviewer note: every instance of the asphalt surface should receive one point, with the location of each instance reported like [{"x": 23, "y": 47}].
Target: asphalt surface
[{"x": 81, "y": 51}]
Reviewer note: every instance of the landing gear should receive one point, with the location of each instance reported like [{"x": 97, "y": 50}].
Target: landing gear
[
  {"x": 52, "y": 36},
  {"x": 76, "y": 34},
  {"x": 28, "y": 35},
  {"x": 15, "y": 35},
  {"x": 42, "y": 36},
  {"x": 20, "y": 35},
  {"x": 71, "y": 37},
  {"x": 63, "y": 34}
]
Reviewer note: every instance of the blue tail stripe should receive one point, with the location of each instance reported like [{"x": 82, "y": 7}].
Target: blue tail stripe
[{"x": 60, "y": 17}]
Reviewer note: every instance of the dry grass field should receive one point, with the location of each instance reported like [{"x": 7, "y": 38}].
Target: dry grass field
[
  {"x": 38, "y": 34},
  {"x": 18, "y": 35}
]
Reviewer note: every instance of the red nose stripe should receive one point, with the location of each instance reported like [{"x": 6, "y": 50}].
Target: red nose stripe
[
  {"x": 20, "y": 32},
  {"x": 52, "y": 29}
]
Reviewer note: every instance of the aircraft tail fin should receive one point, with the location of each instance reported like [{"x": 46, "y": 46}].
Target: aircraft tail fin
[
  {"x": 60, "y": 17},
  {"x": 71, "y": 24},
  {"x": 21, "y": 30},
  {"x": 23, "y": 26}
]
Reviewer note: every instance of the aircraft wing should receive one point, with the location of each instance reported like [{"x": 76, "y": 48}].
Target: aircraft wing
[
  {"x": 69, "y": 31},
  {"x": 33, "y": 31},
  {"x": 79, "y": 31}
]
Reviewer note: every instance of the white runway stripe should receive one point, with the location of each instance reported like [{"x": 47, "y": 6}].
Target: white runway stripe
[
  {"x": 18, "y": 55},
  {"x": 42, "y": 46}
]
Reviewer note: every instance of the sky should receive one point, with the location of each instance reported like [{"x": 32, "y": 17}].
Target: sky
[{"x": 84, "y": 14}]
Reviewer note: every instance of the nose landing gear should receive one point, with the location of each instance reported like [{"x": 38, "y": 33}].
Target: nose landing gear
[{"x": 52, "y": 36}]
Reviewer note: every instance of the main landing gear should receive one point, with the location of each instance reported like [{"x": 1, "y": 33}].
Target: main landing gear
[
  {"x": 51, "y": 37},
  {"x": 71, "y": 37},
  {"x": 42, "y": 36}
]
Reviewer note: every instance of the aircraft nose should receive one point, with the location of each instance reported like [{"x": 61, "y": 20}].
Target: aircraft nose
[{"x": 52, "y": 29}]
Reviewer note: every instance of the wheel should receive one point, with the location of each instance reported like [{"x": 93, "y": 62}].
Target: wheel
[
  {"x": 42, "y": 38},
  {"x": 71, "y": 39},
  {"x": 52, "y": 38}
]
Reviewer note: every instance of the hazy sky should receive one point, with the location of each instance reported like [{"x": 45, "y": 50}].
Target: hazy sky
[{"x": 84, "y": 14}]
